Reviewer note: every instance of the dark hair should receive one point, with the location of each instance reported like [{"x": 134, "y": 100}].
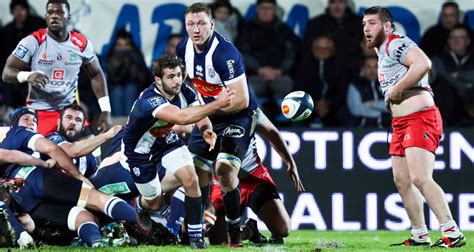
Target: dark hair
[
  {"x": 60, "y": 2},
  {"x": 22, "y": 3},
  {"x": 199, "y": 7},
  {"x": 73, "y": 107},
  {"x": 383, "y": 12},
  {"x": 450, "y": 4},
  {"x": 18, "y": 112},
  {"x": 165, "y": 61}
]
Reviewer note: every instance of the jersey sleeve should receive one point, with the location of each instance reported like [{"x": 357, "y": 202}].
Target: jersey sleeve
[
  {"x": 88, "y": 55},
  {"x": 56, "y": 138},
  {"x": 190, "y": 96},
  {"x": 91, "y": 166},
  {"x": 151, "y": 105},
  {"x": 26, "y": 48},
  {"x": 229, "y": 64},
  {"x": 399, "y": 47},
  {"x": 24, "y": 139}
]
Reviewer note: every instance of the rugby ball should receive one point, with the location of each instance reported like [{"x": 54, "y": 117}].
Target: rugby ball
[{"x": 297, "y": 105}]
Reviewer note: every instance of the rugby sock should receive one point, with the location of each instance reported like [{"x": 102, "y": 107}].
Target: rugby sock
[
  {"x": 194, "y": 214},
  {"x": 118, "y": 209},
  {"x": 16, "y": 225},
  {"x": 420, "y": 234},
  {"x": 232, "y": 205},
  {"x": 177, "y": 212},
  {"x": 89, "y": 232},
  {"x": 205, "y": 196},
  {"x": 450, "y": 229}
]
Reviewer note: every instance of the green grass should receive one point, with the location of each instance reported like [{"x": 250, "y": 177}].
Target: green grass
[{"x": 309, "y": 240}]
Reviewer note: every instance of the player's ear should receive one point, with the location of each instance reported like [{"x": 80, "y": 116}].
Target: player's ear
[
  {"x": 59, "y": 124},
  {"x": 157, "y": 80}
]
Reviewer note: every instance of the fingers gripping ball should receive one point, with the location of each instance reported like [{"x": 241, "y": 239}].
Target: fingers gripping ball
[{"x": 297, "y": 105}]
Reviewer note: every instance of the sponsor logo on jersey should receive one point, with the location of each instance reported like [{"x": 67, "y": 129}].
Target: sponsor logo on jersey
[
  {"x": 45, "y": 62},
  {"x": 230, "y": 66},
  {"x": 59, "y": 57},
  {"x": 58, "y": 74},
  {"x": 399, "y": 51},
  {"x": 21, "y": 51},
  {"x": 234, "y": 131},
  {"x": 425, "y": 135},
  {"x": 206, "y": 89},
  {"x": 199, "y": 70},
  {"x": 156, "y": 101},
  {"x": 72, "y": 57}
]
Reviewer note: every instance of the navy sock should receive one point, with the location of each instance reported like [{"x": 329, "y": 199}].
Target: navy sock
[
  {"x": 205, "y": 196},
  {"x": 232, "y": 205},
  {"x": 89, "y": 232},
  {"x": 16, "y": 225},
  {"x": 118, "y": 209},
  {"x": 177, "y": 212},
  {"x": 194, "y": 214}
]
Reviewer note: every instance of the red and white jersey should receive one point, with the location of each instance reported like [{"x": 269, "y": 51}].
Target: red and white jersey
[
  {"x": 60, "y": 61},
  {"x": 391, "y": 56},
  {"x": 252, "y": 160}
]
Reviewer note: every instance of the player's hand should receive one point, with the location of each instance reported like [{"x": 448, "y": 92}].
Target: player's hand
[
  {"x": 104, "y": 121},
  {"x": 210, "y": 137},
  {"x": 225, "y": 98},
  {"x": 295, "y": 177},
  {"x": 393, "y": 95},
  {"x": 112, "y": 132},
  {"x": 51, "y": 163},
  {"x": 38, "y": 79}
]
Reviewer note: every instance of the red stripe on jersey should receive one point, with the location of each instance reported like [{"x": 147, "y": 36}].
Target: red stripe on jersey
[
  {"x": 391, "y": 37},
  {"x": 79, "y": 40},
  {"x": 40, "y": 36}
]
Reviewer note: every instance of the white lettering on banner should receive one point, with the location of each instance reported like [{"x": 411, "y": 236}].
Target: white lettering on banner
[
  {"x": 347, "y": 150},
  {"x": 458, "y": 145},
  {"x": 338, "y": 222},
  {"x": 394, "y": 206},
  {"x": 320, "y": 138},
  {"x": 434, "y": 224},
  {"x": 307, "y": 203},
  {"x": 293, "y": 142},
  {"x": 364, "y": 151},
  {"x": 466, "y": 211},
  {"x": 371, "y": 215}
]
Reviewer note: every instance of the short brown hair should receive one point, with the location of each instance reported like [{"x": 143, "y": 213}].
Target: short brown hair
[
  {"x": 199, "y": 7},
  {"x": 166, "y": 61},
  {"x": 383, "y": 12}
]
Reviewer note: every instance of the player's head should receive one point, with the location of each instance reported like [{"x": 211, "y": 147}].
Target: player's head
[
  {"x": 450, "y": 15},
  {"x": 24, "y": 116},
  {"x": 378, "y": 23},
  {"x": 71, "y": 122},
  {"x": 57, "y": 15},
  {"x": 168, "y": 74},
  {"x": 199, "y": 23}
]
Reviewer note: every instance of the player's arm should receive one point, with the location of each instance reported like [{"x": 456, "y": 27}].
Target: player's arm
[
  {"x": 15, "y": 72},
  {"x": 418, "y": 65},
  {"x": 21, "y": 158},
  {"x": 173, "y": 114},
  {"x": 99, "y": 86},
  {"x": 205, "y": 127},
  {"x": 88, "y": 145},
  {"x": 241, "y": 100},
  {"x": 47, "y": 147},
  {"x": 270, "y": 132}
]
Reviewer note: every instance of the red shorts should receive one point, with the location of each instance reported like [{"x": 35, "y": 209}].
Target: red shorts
[
  {"x": 258, "y": 177},
  {"x": 421, "y": 129},
  {"x": 47, "y": 122}
]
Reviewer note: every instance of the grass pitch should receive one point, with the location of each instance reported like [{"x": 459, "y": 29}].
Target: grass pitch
[{"x": 307, "y": 240}]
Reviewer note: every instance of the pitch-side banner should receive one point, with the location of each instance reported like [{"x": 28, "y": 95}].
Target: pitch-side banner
[
  {"x": 151, "y": 22},
  {"x": 349, "y": 183}
]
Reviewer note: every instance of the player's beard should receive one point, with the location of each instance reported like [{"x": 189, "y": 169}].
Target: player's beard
[
  {"x": 377, "y": 40},
  {"x": 69, "y": 138},
  {"x": 169, "y": 90}
]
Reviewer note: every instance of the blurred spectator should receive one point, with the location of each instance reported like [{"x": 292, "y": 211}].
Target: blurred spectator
[
  {"x": 227, "y": 19},
  {"x": 344, "y": 26},
  {"x": 453, "y": 79},
  {"x": 23, "y": 24},
  {"x": 173, "y": 40},
  {"x": 364, "y": 98},
  {"x": 325, "y": 79},
  {"x": 435, "y": 38},
  {"x": 127, "y": 73},
  {"x": 268, "y": 47}
]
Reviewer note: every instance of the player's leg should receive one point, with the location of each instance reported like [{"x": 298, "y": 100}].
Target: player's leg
[
  {"x": 420, "y": 163},
  {"x": 11, "y": 230}
]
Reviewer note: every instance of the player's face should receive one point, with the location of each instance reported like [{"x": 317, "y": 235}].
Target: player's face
[
  {"x": 71, "y": 124},
  {"x": 29, "y": 121},
  {"x": 199, "y": 27},
  {"x": 57, "y": 17},
  {"x": 172, "y": 80},
  {"x": 373, "y": 30}
]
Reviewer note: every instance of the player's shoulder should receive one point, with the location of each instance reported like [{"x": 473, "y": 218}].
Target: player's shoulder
[
  {"x": 152, "y": 96},
  {"x": 181, "y": 46},
  {"x": 39, "y": 36},
  {"x": 79, "y": 40},
  {"x": 397, "y": 41},
  {"x": 55, "y": 138},
  {"x": 224, "y": 44}
]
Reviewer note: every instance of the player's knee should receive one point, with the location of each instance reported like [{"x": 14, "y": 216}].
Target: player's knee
[
  {"x": 76, "y": 216},
  {"x": 401, "y": 183},
  {"x": 191, "y": 181},
  {"x": 227, "y": 162},
  {"x": 419, "y": 181}
]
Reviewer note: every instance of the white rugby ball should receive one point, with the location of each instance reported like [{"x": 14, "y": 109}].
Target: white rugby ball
[{"x": 297, "y": 105}]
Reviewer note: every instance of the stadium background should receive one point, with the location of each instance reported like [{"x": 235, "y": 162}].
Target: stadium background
[{"x": 346, "y": 172}]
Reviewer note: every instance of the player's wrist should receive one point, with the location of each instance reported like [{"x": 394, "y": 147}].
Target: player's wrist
[
  {"x": 22, "y": 76},
  {"x": 104, "y": 104}
]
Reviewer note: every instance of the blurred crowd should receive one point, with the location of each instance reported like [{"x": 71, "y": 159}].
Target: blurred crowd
[{"x": 330, "y": 62}]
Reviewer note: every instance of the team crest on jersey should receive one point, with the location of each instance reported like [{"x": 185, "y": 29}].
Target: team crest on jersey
[
  {"x": 58, "y": 74},
  {"x": 171, "y": 137},
  {"x": 156, "y": 101},
  {"x": 21, "y": 51},
  {"x": 211, "y": 72},
  {"x": 59, "y": 57},
  {"x": 136, "y": 171}
]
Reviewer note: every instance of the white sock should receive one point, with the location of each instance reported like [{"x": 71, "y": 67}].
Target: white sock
[
  {"x": 450, "y": 229},
  {"x": 420, "y": 234}
]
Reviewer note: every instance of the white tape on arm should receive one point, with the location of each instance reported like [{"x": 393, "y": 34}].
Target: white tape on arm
[
  {"x": 22, "y": 76},
  {"x": 104, "y": 104}
]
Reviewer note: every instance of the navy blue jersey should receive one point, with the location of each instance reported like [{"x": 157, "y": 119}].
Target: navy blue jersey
[
  {"x": 115, "y": 145},
  {"x": 144, "y": 135},
  {"x": 220, "y": 64},
  {"x": 22, "y": 139},
  {"x": 87, "y": 165}
]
